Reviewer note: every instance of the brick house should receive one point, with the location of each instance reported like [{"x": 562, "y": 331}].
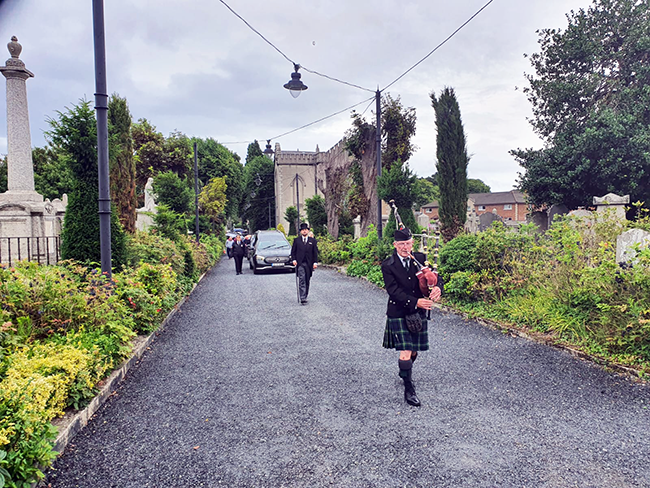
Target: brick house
[{"x": 509, "y": 205}]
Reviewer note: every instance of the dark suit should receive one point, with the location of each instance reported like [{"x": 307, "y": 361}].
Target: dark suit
[
  {"x": 403, "y": 287},
  {"x": 305, "y": 255},
  {"x": 238, "y": 252}
]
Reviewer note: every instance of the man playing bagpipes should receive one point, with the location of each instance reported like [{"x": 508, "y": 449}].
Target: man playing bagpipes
[{"x": 412, "y": 288}]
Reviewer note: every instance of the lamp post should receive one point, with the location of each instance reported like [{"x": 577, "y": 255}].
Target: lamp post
[
  {"x": 378, "y": 143},
  {"x": 196, "y": 194},
  {"x": 101, "y": 106}
]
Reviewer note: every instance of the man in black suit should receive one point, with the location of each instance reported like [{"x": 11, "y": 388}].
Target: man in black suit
[
  {"x": 238, "y": 252},
  {"x": 405, "y": 298},
  {"x": 305, "y": 258}
]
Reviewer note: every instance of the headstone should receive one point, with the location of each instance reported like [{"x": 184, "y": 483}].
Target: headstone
[
  {"x": 626, "y": 242},
  {"x": 612, "y": 202},
  {"x": 540, "y": 219},
  {"x": 556, "y": 210},
  {"x": 423, "y": 221},
  {"x": 581, "y": 212},
  {"x": 486, "y": 220}
]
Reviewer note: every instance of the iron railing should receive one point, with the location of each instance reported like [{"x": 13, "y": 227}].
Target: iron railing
[{"x": 44, "y": 250}]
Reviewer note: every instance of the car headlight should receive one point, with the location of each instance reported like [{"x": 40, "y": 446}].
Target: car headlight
[{"x": 259, "y": 258}]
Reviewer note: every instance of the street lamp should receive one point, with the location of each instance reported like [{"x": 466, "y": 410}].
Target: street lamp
[
  {"x": 295, "y": 86},
  {"x": 268, "y": 151}
]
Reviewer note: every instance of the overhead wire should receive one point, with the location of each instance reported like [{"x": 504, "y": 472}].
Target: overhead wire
[{"x": 297, "y": 65}]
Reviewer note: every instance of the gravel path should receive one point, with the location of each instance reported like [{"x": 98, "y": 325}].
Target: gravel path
[{"x": 246, "y": 388}]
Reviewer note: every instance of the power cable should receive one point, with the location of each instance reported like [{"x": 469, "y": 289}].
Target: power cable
[{"x": 437, "y": 47}]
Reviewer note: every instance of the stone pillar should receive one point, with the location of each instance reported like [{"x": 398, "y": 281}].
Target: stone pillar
[{"x": 20, "y": 169}]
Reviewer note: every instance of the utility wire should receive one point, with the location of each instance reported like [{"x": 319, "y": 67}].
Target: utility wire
[
  {"x": 335, "y": 79},
  {"x": 438, "y": 46},
  {"x": 320, "y": 120}
]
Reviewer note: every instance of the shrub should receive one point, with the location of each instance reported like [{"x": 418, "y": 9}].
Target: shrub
[{"x": 145, "y": 247}]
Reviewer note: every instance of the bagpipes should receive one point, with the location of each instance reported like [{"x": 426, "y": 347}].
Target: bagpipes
[{"x": 427, "y": 274}]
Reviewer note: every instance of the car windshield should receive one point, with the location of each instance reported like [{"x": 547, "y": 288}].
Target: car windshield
[{"x": 273, "y": 243}]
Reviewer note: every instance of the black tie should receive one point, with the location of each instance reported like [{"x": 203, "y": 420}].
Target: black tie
[{"x": 406, "y": 264}]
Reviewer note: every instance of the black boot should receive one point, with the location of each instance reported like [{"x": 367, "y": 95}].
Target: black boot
[{"x": 409, "y": 390}]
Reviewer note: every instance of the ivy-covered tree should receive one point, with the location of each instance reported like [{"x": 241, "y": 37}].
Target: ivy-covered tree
[
  {"x": 397, "y": 130},
  {"x": 75, "y": 133},
  {"x": 590, "y": 95},
  {"x": 122, "y": 164},
  {"x": 316, "y": 214},
  {"x": 452, "y": 161}
]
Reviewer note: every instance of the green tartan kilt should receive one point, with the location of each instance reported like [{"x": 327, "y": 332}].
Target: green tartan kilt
[{"x": 397, "y": 336}]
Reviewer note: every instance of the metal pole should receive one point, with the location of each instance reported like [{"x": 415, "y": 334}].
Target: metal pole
[
  {"x": 196, "y": 194},
  {"x": 270, "y": 226},
  {"x": 378, "y": 143},
  {"x": 297, "y": 205},
  {"x": 101, "y": 106}
]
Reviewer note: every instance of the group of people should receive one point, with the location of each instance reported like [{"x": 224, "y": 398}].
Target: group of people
[{"x": 409, "y": 302}]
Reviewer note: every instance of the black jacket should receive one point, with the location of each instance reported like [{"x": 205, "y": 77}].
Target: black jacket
[
  {"x": 305, "y": 252},
  {"x": 403, "y": 288},
  {"x": 238, "y": 249}
]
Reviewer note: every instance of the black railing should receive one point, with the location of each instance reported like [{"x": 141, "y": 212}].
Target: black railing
[{"x": 44, "y": 250}]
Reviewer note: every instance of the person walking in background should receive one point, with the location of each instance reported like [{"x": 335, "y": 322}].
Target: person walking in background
[
  {"x": 305, "y": 258},
  {"x": 229, "y": 243},
  {"x": 406, "y": 323},
  {"x": 238, "y": 252}
]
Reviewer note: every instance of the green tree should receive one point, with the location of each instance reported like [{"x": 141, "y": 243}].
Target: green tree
[
  {"x": 173, "y": 192},
  {"x": 316, "y": 214},
  {"x": 452, "y": 161},
  {"x": 397, "y": 183},
  {"x": 122, "y": 163},
  {"x": 254, "y": 150},
  {"x": 591, "y": 107},
  {"x": 477, "y": 186},
  {"x": 75, "y": 133},
  {"x": 425, "y": 192},
  {"x": 259, "y": 193},
  {"x": 212, "y": 199},
  {"x": 52, "y": 174},
  {"x": 217, "y": 161},
  {"x": 291, "y": 215}
]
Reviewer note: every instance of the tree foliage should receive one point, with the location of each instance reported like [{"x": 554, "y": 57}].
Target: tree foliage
[
  {"x": 591, "y": 106},
  {"x": 173, "y": 192},
  {"x": 475, "y": 185},
  {"x": 397, "y": 130},
  {"x": 122, "y": 163},
  {"x": 75, "y": 133},
  {"x": 397, "y": 183},
  {"x": 259, "y": 193},
  {"x": 212, "y": 199},
  {"x": 316, "y": 214},
  {"x": 452, "y": 161},
  {"x": 52, "y": 175},
  {"x": 291, "y": 216}
]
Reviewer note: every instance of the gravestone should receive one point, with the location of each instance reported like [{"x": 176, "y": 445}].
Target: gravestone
[
  {"x": 487, "y": 219},
  {"x": 556, "y": 210},
  {"x": 540, "y": 219},
  {"x": 613, "y": 203},
  {"x": 626, "y": 242}
]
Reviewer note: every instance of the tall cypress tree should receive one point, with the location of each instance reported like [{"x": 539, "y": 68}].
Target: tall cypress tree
[
  {"x": 452, "y": 161},
  {"x": 122, "y": 164},
  {"x": 75, "y": 133}
]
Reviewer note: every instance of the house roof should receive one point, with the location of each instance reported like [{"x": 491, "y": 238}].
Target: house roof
[{"x": 496, "y": 198}]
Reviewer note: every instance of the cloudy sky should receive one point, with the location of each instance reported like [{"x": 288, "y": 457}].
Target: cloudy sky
[{"x": 194, "y": 67}]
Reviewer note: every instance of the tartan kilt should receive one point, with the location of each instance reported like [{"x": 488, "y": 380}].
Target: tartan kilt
[{"x": 397, "y": 336}]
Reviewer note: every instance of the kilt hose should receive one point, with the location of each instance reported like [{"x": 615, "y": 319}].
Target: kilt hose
[{"x": 397, "y": 336}]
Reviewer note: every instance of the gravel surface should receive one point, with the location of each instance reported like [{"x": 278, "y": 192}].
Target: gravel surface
[{"x": 247, "y": 388}]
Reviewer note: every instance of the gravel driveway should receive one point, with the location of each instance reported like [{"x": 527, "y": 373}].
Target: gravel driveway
[{"x": 247, "y": 388}]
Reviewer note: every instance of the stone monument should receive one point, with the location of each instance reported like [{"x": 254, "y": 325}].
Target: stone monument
[
  {"x": 612, "y": 201},
  {"x": 29, "y": 226},
  {"x": 144, "y": 218}
]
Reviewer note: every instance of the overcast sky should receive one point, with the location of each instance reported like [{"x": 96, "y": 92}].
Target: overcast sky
[{"x": 194, "y": 67}]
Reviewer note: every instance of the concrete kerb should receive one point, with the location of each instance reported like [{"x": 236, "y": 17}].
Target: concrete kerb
[{"x": 71, "y": 423}]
